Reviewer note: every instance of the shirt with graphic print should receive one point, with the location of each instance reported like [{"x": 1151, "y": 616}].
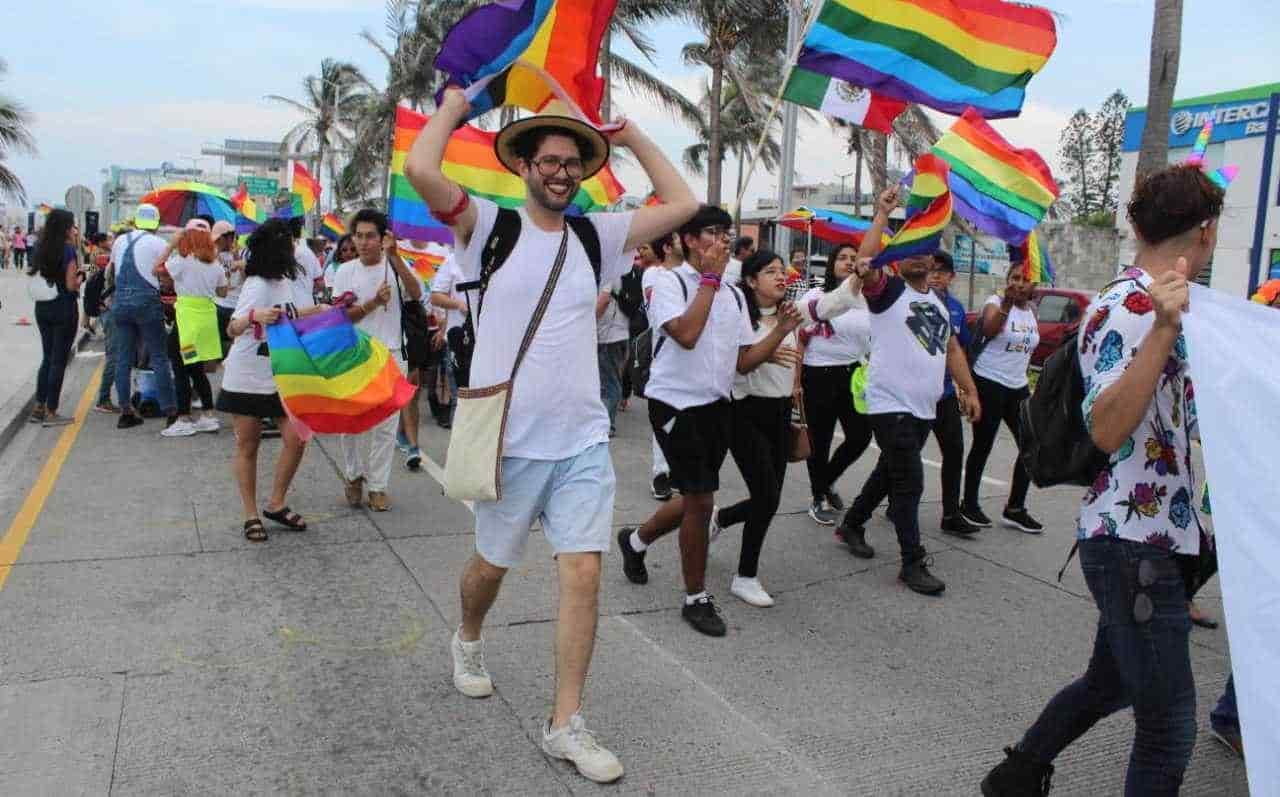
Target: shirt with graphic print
[
  {"x": 909, "y": 334},
  {"x": 1147, "y": 493}
]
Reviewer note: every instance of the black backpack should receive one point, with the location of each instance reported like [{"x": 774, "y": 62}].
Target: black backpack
[
  {"x": 631, "y": 301},
  {"x": 93, "y": 293}
]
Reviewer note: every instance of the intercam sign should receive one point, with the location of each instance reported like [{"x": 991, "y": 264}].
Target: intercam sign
[{"x": 1237, "y": 114}]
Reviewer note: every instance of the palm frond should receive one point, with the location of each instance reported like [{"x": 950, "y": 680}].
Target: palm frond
[
  {"x": 11, "y": 186},
  {"x": 654, "y": 88}
]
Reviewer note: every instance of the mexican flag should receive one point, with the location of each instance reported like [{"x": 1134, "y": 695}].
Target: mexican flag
[{"x": 837, "y": 98}]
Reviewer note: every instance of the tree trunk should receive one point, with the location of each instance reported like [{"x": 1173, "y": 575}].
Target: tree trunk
[
  {"x": 319, "y": 177},
  {"x": 1166, "y": 48},
  {"x": 737, "y": 203},
  {"x": 606, "y": 73},
  {"x": 878, "y": 162},
  {"x": 857, "y": 180},
  {"x": 714, "y": 146}
]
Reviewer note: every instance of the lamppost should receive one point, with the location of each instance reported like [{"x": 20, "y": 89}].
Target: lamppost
[{"x": 844, "y": 177}]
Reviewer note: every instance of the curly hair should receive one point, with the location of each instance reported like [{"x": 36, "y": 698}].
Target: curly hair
[
  {"x": 199, "y": 243},
  {"x": 271, "y": 251},
  {"x": 1172, "y": 201}
]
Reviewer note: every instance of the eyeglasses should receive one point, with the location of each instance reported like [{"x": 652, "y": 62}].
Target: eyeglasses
[
  {"x": 716, "y": 231},
  {"x": 550, "y": 166}
]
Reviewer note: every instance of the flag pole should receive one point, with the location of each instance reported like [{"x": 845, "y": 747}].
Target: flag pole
[{"x": 973, "y": 267}]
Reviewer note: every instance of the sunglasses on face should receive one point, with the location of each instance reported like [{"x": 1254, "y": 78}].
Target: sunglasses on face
[{"x": 550, "y": 166}]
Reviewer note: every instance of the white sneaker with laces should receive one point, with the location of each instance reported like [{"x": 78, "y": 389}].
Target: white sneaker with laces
[
  {"x": 179, "y": 428},
  {"x": 749, "y": 590},
  {"x": 208, "y": 424},
  {"x": 714, "y": 532},
  {"x": 469, "y": 675},
  {"x": 575, "y": 743}
]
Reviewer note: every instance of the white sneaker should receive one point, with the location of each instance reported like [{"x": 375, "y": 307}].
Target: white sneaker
[
  {"x": 575, "y": 743},
  {"x": 469, "y": 675},
  {"x": 714, "y": 531},
  {"x": 208, "y": 423},
  {"x": 750, "y": 591},
  {"x": 179, "y": 428}
]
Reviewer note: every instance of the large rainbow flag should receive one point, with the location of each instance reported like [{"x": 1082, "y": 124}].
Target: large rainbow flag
[
  {"x": 525, "y": 52},
  {"x": 470, "y": 161},
  {"x": 1001, "y": 190},
  {"x": 928, "y": 213},
  {"x": 946, "y": 54},
  {"x": 332, "y": 377}
]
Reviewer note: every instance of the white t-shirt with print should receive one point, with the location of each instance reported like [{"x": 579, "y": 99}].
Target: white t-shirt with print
[
  {"x": 309, "y": 270},
  {"x": 1005, "y": 357},
  {"x": 247, "y": 371},
  {"x": 555, "y": 411},
  {"x": 382, "y": 323},
  {"x": 910, "y": 331},
  {"x": 850, "y": 339},
  {"x": 146, "y": 253},
  {"x": 613, "y": 326},
  {"x": 194, "y": 277}
]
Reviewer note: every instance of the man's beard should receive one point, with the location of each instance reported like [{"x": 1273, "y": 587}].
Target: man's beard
[{"x": 538, "y": 193}]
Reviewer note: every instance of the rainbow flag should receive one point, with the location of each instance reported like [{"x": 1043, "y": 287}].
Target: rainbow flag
[
  {"x": 332, "y": 226},
  {"x": 248, "y": 217},
  {"x": 928, "y": 213},
  {"x": 305, "y": 190},
  {"x": 946, "y": 54},
  {"x": 424, "y": 263},
  {"x": 527, "y": 53},
  {"x": 469, "y": 160},
  {"x": 332, "y": 377},
  {"x": 1001, "y": 190},
  {"x": 1036, "y": 266},
  {"x": 827, "y": 225}
]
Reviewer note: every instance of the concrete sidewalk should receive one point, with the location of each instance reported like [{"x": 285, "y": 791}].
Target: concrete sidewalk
[{"x": 151, "y": 650}]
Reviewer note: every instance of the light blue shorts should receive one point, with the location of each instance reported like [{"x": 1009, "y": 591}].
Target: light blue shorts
[{"x": 573, "y": 498}]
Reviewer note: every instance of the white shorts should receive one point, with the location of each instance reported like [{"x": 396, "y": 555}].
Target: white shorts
[{"x": 572, "y": 497}]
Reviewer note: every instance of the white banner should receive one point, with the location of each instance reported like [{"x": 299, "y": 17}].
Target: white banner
[{"x": 1234, "y": 349}]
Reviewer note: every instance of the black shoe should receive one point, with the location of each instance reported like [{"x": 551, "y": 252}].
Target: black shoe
[
  {"x": 270, "y": 428},
  {"x": 661, "y": 488},
  {"x": 703, "y": 615},
  {"x": 915, "y": 574},
  {"x": 128, "y": 420},
  {"x": 835, "y": 501},
  {"x": 957, "y": 525},
  {"x": 856, "y": 539},
  {"x": 632, "y": 561},
  {"x": 1019, "y": 519},
  {"x": 444, "y": 423},
  {"x": 822, "y": 514},
  {"x": 975, "y": 516},
  {"x": 413, "y": 460},
  {"x": 1018, "y": 775}
]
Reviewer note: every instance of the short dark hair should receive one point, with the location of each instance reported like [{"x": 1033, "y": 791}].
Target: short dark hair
[
  {"x": 375, "y": 217},
  {"x": 527, "y": 142},
  {"x": 660, "y": 245},
  {"x": 795, "y": 252},
  {"x": 1172, "y": 201},
  {"x": 295, "y": 226},
  {"x": 944, "y": 262},
  {"x": 271, "y": 251},
  {"x": 707, "y": 216},
  {"x": 743, "y": 242}
]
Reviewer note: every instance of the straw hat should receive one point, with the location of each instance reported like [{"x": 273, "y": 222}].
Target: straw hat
[{"x": 504, "y": 144}]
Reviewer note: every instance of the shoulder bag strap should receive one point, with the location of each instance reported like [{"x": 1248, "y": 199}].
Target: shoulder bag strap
[{"x": 543, "y": 301}]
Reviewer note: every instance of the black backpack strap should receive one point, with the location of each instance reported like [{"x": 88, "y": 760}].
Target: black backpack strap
[
  {"x": 590, "y": 240},
  {"x": 497, "y": 248},
  {"x": 684, "y": 289}
]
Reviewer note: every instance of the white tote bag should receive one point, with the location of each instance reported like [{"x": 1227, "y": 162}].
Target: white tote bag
[
  {"x": 40, "y": 289},
  {"x": 473, "y": 470}
]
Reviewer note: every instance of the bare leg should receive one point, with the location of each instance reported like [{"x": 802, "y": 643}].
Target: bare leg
[
  {"x": 694, "y": 538},
  {"x": 287, "y": 465},
  {"x": 479, "y": 589},
  {"x": 664, "y": 521},
  {"x": 575, "y": 630},
  {"x": 410, "y": 413},
  {"x": 244, "y": 464}
]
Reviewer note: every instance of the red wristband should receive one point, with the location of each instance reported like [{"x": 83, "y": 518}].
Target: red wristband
[{"x": 448, "y": 218}]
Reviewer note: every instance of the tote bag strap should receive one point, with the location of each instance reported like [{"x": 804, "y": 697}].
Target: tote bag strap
[{"x": 543, "y": 301}]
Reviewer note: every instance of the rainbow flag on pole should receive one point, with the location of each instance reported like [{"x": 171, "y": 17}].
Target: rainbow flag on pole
[
  {"x": 248, "y": 217},
  {"x": 827, "y": 225},
  {"x": 332, "y": 226},
  {"x": 928, "y": 213},
  {"x": 332, "y": 377},
  {"x": 305, "y": 190},
  {"x": 946, "y": 54},
  {"x": 1036, "y": 266},
  {"x": 424, "y": 263}
]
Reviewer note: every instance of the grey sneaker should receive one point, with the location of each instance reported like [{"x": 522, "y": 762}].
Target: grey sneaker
[
  {"x": 822, "y": 514},
  {"x": 575, "y": 743},
  {"x": 469, "y": 675}
]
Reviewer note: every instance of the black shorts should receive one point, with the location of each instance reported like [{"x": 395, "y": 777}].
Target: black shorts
[
  {"x": 695, "y": 445},
  {"x": 253, "y": 405}
]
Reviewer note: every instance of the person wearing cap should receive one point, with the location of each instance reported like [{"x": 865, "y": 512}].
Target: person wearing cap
[
  {"x": 224, "y": 242},
  {"x": 556, "y": 465},
  {"x": 137, "y": 313}
]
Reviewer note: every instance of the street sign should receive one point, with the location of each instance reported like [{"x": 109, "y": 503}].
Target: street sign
[{"x": 260, "y": 186}]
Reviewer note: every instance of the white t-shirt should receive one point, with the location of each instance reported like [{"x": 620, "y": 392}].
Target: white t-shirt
[
  {"x": 683, "y": 377},
  {"x": 613, "y": 326},
  {"x": 732, "y": 272},
  {"x": 309, "y": 271},
  {"x": 850, "y": 338},
  {"x": 384, "y": 322},
  {"x": 768, "y": 380},
  {"x": 555, "y": 412},
  {"x": 146, "y": 253},
  {"x": 194, "y": 277},
  {"x": 910, "y": 331},
  {"x": 234, "y": 280},
  {"x": 247, "y": 371},
  {"x": 445, "y": 282},
  {"x": 1006, "y": 356}
]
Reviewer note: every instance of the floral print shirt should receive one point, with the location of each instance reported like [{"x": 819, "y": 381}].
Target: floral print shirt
[{"x": 1147, "y": 493}]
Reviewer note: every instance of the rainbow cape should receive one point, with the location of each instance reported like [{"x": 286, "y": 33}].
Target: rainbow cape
[
  {"x": 528, "y": 53},
  {"x": 332, "y": 377},
  {"x": 1001, "y": 190},
  {"x": 305, "y": 190},
  {"x": 1036, "y": 266},
  {"x": 332, "y": 226},
  {"x": 946, "y": 54},
  {"x": 928, "y": 213}
]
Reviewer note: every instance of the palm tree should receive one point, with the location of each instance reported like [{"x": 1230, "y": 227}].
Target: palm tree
[
  {"x": 629, "y": 19},
  {"x": 914, "y": 134},
  {"x": 15, "y": 135},
  {"x": 1162, "y": 79}
]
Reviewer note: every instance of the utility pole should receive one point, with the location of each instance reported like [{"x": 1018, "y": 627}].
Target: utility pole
[
  {"x": 844, "y": 177},
  {"x": 795, "y": 25}
]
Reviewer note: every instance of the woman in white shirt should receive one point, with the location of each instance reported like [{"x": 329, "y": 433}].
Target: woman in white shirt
[
  {"x": 1009, "y": 326},
  {"x": 767, "y": 379}
]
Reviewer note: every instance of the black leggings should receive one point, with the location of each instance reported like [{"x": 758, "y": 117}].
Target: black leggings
[
  {"x": 948, "y": 430},
  {"x": 999, "y": 403},
  {"x": 187, "y": 376},
  {"x": 826, "y": 400},
  {"x": 761, "y": 434}
]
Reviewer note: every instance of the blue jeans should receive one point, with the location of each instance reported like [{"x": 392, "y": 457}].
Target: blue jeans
[
  {"x": 1143, "y": 665},
  {"x": 1225, "y": 716},
  {"x": 612, "y": 357},
  {"x": 108, "y": 359},
  {"x": 57, "y": 322},
  {"x": 143, "y": 318}
]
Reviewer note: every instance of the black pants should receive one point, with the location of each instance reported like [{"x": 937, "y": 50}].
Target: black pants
[
  {"x": 57, "y": 322},
  {"x": 187, "y": 376},
  {"x": 826, "y": 400},
  {"x": 999, "y": 403},
  {"x": 224, "y": 318},
  {"x": 761, "y": 432},
  {"x": 948, "y": 430},
  {"x": 899, "y": 476}
]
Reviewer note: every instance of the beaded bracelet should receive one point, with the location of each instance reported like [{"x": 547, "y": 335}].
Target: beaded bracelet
[{"x": 710, "y": 278}]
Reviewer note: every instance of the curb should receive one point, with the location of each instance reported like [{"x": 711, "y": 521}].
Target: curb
[{"x": 18, "y": 409}]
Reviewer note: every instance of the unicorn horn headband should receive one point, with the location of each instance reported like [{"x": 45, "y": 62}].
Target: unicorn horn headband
[{"x": 1220, "y": 177}]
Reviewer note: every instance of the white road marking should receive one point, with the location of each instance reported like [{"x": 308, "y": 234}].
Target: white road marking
[{"x": 931, "y": 463}]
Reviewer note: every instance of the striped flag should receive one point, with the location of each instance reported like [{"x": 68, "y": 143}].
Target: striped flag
[
  {"x": 834, "y": 97},
  {"x": 928, "y": 213}
]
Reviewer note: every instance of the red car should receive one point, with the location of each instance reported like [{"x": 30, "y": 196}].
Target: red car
[{"x": 1058, "y": 313}]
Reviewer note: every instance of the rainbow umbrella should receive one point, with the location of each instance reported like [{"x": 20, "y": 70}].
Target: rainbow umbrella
[{"x": 179, "y": 202}]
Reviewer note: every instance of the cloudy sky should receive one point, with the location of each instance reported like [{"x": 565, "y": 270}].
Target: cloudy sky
[{"x": 138, "y": 82}]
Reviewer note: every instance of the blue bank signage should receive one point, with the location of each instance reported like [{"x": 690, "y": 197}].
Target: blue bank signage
[{"x": 1231, "y": 120}]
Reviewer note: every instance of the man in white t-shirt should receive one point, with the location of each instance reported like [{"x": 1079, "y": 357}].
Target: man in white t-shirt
[
  {"x": 613, "y": 328},
  {"x": 555, "y": 465},
  {"x": 310, "y": 277},
  {"x": 668, "y": 254},
  {"x": 372, "y": 278},
  {"x": 743, "y": 247}
]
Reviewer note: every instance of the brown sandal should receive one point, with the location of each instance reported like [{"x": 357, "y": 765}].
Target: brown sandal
[{"x": 254, "y": 530}]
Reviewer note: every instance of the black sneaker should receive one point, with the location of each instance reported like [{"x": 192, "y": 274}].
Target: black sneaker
[
  {"x": 632, "y": 562},
  {"x": 821, "y": 513},
  {"x": 835, "y": 501},
  {"x": 413, "y": 460},
  {"x": 1017, "y": 776},
  {"x": 957, "y": 525},
  {"x": 915, "y": 574},
  {"x": 128, "y": 420},
  {"x": 1019, "y": 519},
  {"x": 975, "y": 516},
  {"x": 661, "y": 488},
  {"x": 270, "y": 428},
  {"x": 703, "y": 615},
  {"x": 856, "y": 539}
]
